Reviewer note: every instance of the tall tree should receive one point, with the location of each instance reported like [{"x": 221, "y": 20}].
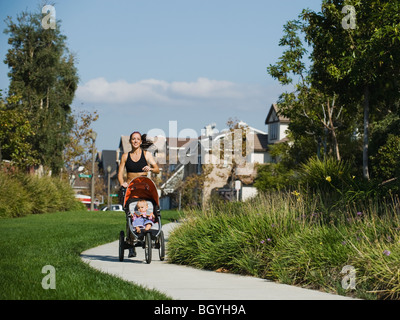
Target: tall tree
[
  {"x": 311, "y": 111},
  {"x": 79, "y": 148},
  {"x": 357, "y": 60},
  {"x": 15, "y": 131},
  {"x": 44, "y": 76}
]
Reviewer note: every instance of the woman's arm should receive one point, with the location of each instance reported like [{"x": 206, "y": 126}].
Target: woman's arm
[{"x": 121, "y": 171}]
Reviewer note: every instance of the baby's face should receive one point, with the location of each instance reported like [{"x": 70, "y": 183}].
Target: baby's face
[{"x": 142, "y": 207}]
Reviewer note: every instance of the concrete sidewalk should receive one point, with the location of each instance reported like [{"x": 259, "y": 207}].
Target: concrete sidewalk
[{"x": 186, "y": 283}]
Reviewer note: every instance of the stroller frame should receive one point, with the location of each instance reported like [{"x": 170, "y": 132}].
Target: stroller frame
[{"x": 142, "y": 188}]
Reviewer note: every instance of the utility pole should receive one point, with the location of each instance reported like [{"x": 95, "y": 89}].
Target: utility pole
[
  {"x": 108, "y": 187},
  {"x": 93, "y": 136}
]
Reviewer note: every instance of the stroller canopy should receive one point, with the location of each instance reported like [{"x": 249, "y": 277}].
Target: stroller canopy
[{"x": 142, "y": 188}]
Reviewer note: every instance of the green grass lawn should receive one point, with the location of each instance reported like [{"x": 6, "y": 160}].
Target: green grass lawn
[{"x": 28, "y": 244}]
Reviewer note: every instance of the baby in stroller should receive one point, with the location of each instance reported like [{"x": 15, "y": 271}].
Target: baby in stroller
[{"x": 141, "y": 218}]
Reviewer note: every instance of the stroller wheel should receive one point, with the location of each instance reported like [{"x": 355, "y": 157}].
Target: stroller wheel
[
  {"x": 121, "y": 245},
  {"x": 148, "y": 247},
  {"x": 161, "y": 246}
]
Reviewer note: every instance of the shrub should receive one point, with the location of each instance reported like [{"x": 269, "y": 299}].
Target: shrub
[
  {"x": 326, "y": 175},
  {"x": 22, "y": 194},
  {"x": 386, "y": 164},
  {"x": 13, "y": 197},
  {"x": 274, "y": 176},
  {"x": 67, "y": 197},
  {"x": 282, "y": 237},
  {"x": 313, "y": 257}
]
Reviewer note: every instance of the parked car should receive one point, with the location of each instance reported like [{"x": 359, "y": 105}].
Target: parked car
[{"x": 114, "y": 207}]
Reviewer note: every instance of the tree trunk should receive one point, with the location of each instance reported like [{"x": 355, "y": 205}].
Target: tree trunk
[
  {"x": 325, "y": 142},
  {"x": 366, "y": 132},
  {"x": 336, "y": 145},
  {"x": 333, "y": 130},
  {"x": 47, "y": 99}
]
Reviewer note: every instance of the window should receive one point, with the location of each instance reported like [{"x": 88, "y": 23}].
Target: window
[{"x": 274, "y": 127}]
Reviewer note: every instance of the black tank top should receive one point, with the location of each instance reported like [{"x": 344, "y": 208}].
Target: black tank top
[{"x": 132, "y": 166}]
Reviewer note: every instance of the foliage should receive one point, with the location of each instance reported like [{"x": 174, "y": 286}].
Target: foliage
[
  {"x": 314, "y": 114},
  {"x": 326, "y": 175},
  {"x": 78, "y": 149},
  {"x": 15, "y": 131},
  {"x": 389, "y": 125},
  {"x": 386, "y": 164},
  {"x": 22, "y": 194},
  {"x": 191, "y": 191},
  {"x": 352, "y": 62},
  {"x": 283, "y": 237},
  {"x": 44, "y": 78},
  {"x": 346, "y": 103},
  {"x": 274, "y": 176}
]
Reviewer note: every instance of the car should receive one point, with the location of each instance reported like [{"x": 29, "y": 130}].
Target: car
[{"x": 114, "y": 207}]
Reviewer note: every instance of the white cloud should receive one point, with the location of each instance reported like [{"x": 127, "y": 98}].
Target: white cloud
[
  {"x": 206, "y": 89},
  {"x": 160, "y": 93},
  {"x": 120, "y": 92},
  {"x": 151, "y": 104}
]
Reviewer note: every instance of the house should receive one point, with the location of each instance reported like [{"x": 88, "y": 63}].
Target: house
[
  {"x": 233, "y": 180},
  {"x": 277, "y": 125},
  {"x": 107, "y": 160},
  {"x": 217, "y": 150},
  {"x": 78, "y": 184},
  {"x": 237, "y": 183},
  {"x": 180, "y": 158}
]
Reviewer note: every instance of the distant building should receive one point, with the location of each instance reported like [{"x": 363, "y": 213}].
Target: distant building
[
  {"x": 196, "y": 152},
  {"x": 277, "y": 125},
  {"x": 108, "y": 158},
  {"x": 220, "y": 179}
]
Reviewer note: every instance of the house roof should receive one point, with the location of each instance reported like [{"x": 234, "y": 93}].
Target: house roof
[
  {"x": 274, "y": 110},
  {"x": 80, "y": 183},
  {"x": 109, "y": 158},
  {"x": 124, "y": 144},
  {"x": 180, "y": 142},
  {"x": 260, "y": 142}
]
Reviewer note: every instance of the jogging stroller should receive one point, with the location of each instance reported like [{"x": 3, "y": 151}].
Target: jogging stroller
[{"x": 142, "y": 188}]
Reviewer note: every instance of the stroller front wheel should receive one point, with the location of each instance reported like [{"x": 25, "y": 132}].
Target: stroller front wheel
[{"x": 161, "y": 246}]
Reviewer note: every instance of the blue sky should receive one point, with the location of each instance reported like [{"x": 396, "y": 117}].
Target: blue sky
[{"x": 144, "y": 63}]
